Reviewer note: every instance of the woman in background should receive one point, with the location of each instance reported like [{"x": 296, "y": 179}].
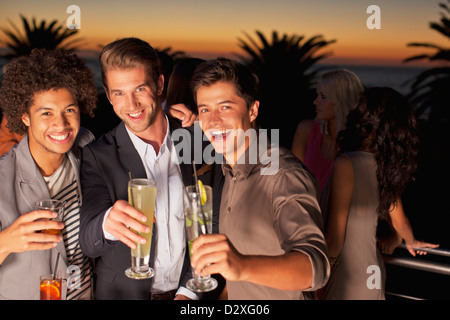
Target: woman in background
[
  {"x": 178, "y": 87},
  {"x": 377, "y": 158},
  {"x": 315, "y": 140}
]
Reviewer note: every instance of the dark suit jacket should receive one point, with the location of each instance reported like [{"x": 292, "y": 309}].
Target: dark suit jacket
[{"x": 104, "y": 176}]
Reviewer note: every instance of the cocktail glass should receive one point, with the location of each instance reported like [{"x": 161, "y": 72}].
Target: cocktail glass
[
  {"x": 142, "y": 195},
  {"x": 50, "y": 287},
  {"x": 198, "y": 215}
]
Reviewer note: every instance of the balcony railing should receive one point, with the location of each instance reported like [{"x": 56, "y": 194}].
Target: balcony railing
[{"x": 439, "y": 265}]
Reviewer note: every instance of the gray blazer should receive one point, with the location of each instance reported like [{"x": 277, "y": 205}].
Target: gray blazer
[{"x": 21, "y": 185}]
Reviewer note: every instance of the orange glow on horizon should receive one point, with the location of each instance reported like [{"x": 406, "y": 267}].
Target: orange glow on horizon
[
  {"x": 361, "y": 53},
  {"x": 210, "y": 29}
]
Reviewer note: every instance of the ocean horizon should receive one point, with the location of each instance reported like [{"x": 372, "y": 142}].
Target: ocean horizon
[{"x": 398, "y": 77}]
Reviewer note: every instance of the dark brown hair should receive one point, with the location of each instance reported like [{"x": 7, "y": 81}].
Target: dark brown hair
[
  {"x": 222, "y": 69},
  {"x": 384, "y": 123}
]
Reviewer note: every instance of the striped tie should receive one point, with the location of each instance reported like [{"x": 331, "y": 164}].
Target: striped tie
[{"x": 79, "y": 264}]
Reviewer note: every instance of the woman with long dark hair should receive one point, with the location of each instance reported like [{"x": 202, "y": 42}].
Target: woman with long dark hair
[{"x": 377, "y": 158}]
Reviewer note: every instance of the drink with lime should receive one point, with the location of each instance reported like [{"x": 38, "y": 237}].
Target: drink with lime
[{"x": 198, "y": 215}]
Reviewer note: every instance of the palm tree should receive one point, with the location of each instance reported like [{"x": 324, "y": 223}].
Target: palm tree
[
  {"x": 284, "y": 66},
  {"x": 429, "y": 96},
  {"x": 429, "y": 91},
  {"x": 42, "y": 35}
]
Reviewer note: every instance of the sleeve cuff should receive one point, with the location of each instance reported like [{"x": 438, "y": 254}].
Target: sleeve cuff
[
  {"x": 106, "y": 234},
  {"x": 188, "y": 293}
]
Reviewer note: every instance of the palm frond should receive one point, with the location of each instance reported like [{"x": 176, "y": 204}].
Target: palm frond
[
  {"x": 425, "y": 45},
  {"x": 43, "y": 34},
  {"x": 443, "y": 28},
  {"x": 432, "y": 84},
  {"x": 284, "y": 64}
]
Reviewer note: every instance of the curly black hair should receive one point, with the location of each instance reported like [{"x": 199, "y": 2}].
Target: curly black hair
[
  {"x": 384, "y": 123},
  {"x": 42, "y": 71}
]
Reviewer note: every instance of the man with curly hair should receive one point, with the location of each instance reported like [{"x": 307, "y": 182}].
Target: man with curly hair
[{"x": 42, "y": 96}]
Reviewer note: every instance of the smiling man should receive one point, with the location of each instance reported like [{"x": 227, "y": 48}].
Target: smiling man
[
  {"x": 226, "y": 118},
  {"x": 51, "y": 136},
  {"x": 271, "y": 244},
  {"x": 42, "y": 97},
  {"x": 140, "y": 146}
]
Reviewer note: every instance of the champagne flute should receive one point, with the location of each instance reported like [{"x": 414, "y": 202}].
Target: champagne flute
[
  {"x": 142, "y": 195},
  {"x": 198, "y": 216}
]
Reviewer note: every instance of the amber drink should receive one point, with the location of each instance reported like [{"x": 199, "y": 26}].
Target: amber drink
[
  {"x": 52, "y": 205},
  {"x": 49, "y": 288}
]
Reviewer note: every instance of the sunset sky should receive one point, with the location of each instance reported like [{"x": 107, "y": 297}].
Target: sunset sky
[{"x": 202, "y": 27}]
